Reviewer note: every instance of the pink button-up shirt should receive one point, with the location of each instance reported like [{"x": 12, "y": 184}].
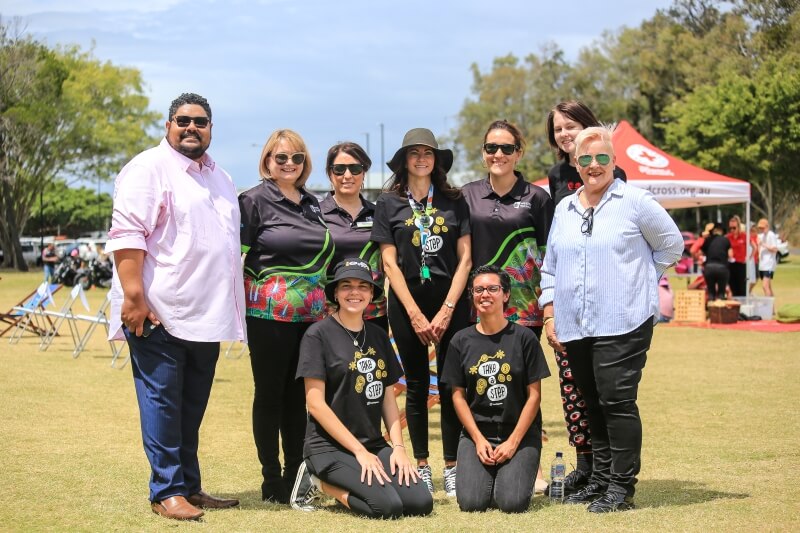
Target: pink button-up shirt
[{"x": 185, "y": 216}]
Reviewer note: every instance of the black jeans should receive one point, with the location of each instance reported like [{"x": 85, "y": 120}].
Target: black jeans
[
  {"x": 390, "y": 500},
  {"x": 414, "y": 356},
  {"x": 716, "y": 276},
  {"x": 738, "y": 280},
  {"x": 507, "y": 486},
  {"x": 607, "y": 371},
  {"x": 279, "y": 403}
]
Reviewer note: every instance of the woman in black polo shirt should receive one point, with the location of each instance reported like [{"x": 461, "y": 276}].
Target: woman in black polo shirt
[
  {"x": 495, "y": 369},
  {"x": 422, "y": 226},
  {"x": 349, "y": 369},
  {"x": 349, "y": 217},
  {"x": 564, "y": 122},
  {"x": 288, "y": 249},
  {"x": 511, "y": 218}
]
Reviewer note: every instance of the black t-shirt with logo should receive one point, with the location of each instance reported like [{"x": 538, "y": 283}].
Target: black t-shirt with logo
[
  {"x": 394, "y": 224},
  {"x": 355, "y": 381},
  {"x": 715, "y": 248},
  {"x": 496, "y": 370},
  {"x": 564, "y": 180},
  {"x": 511, "y": 233}
]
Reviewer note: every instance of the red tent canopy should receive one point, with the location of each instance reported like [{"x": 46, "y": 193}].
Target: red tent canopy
[{"x": 673, "y": 182}]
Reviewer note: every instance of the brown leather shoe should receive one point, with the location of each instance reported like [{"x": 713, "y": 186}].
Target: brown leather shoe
[
  {"x": 176, "y": 507},
  {"x": 207, "y": 501}
]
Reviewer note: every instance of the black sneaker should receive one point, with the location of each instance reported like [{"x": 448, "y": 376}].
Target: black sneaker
[
  {"x": 575, "y": 481},
  {"x": 590, "y": 492},
  {"x": 611, "y": 502},
  {"x": 305, "y": 492}
]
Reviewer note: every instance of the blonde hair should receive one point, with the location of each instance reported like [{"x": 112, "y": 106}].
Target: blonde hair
[
  {"x": 297, "y": 143},
  {"x": 594, "y": 133}
]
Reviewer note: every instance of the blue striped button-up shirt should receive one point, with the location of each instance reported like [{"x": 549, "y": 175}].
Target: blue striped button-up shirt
[{"x": 606, "y": 283}]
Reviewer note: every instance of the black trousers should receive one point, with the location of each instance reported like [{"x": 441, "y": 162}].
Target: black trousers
[
  {"x": 716, "y": 276},
  {"x": 279, "y": 403},
  {"x": 414, "y": 356},
  {"x": 738, "y": 281},
  {"x": 607, "y": 371},
  {"x": 390, "y": 500}
]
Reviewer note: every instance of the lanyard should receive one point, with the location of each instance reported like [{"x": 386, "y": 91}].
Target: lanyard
[{"x": 423, "y": 221}]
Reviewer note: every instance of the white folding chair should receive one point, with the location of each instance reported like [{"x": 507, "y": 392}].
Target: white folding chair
[
  {"x": 32, "y": 314},
  {"x": 65, "y": 315},
  {"x": 100, "y": 318},
  {"x": 229, "y": 352}
]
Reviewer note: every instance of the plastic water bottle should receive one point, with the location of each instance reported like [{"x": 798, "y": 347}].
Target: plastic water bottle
[{"x": 558, "y": 471}]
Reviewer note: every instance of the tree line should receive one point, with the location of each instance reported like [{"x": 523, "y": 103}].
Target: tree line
[
  {"x": 65, "y": 117},
  {"x": 716, "y": 83}
]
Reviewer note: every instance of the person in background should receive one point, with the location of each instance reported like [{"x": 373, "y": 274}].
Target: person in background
[
  {"x": 288, "y": 249},
  {"x": 752, "y": 259},
  {"x": 49, "y": 259},
  {"x": 349, "y": 369},
  {"x": 768, "y": 255},
  {"x": 614, "y": 242},
  {"x": 511, "y": 218},
  {"x": 738, "y": 263},
  {"x": 666, "y": 307},
  {"x": 422, "y": 226},
  {"x": 564, "y": 122},
  {"x": 174, "y": 228},
  {"x": 495, "y": 368},
  {"x": 349, "y": 217}
]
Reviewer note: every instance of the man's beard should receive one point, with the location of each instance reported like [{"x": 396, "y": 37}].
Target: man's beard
[{"x": 193, "y": 152}]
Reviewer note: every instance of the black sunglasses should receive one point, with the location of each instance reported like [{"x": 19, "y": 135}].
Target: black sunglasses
[
  {"x": 507, "y": 149},
  {"x": 355, "y": 169},
  {"x": 586, "y": 160},
  {"x": 183, "y": 121},
  {"x": 298, "y": 158},
  {"x": 588, "y": 221}
]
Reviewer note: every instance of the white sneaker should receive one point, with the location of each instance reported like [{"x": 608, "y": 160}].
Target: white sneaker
[
  {"x": 450, "y": 480},
  {"x": 426, "y": 475},
  {"x": 306, "y": 491}
]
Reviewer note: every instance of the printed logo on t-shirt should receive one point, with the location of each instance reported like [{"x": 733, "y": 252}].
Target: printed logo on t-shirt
[
  {"x": 494, "y": 375},
  {"x": 371, "y": 372},
  {"x": 523, "y": 205},
  {"x": 433, "y": 241}
]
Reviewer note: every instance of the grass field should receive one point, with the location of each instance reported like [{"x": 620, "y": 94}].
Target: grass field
[{"x": 720, "y": 441}]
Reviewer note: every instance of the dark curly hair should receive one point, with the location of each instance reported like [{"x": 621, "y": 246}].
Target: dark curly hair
[{"x": 189, "y": 98}]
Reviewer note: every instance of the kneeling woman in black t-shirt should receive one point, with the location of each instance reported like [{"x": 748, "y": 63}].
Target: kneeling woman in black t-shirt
[
  {"x": 350, "y": 368},
  {"x": 495, "y": 369}
]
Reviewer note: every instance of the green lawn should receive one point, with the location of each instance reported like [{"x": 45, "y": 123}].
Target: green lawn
[{"x": 720, "y": 451}]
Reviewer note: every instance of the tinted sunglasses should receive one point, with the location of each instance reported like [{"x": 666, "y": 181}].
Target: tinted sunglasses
[
  {"x": 298, "y": 158},
  {"x": 354, "y": 168},
  {"x": 586, "y": 160},
  {"x": 183, "y": 121},
  {"x": 507, "y": 149}
]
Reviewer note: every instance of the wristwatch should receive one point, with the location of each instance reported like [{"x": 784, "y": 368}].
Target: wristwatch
[{"x": 450, "y": 305}]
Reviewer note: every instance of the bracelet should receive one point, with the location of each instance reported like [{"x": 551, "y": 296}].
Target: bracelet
[
  {"x": 397, "y": 446},
  {"x": 548, "y": 319}
]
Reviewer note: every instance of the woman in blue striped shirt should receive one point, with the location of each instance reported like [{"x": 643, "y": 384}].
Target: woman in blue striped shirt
[{"x": 608, "y": 246}]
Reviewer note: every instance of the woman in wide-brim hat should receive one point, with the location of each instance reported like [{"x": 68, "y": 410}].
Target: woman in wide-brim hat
[
  {"x": 349, "y": 369},
  {"x": 422, "y": 225}
]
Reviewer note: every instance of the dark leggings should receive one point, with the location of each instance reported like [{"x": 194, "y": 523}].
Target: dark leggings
[
  {"x": 390, "y": 500},
  {"x": 576, "y": 413},
  {"x": 414, "y": 356},
  {"x": 279, "y": 404},
  {"x": 716, "y": 276}
]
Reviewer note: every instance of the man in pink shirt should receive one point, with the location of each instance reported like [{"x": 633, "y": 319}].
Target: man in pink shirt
[{"x": 177, "y": 293}]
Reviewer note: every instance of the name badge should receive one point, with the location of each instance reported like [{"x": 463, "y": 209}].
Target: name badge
[{"x": 364, "y": 224}]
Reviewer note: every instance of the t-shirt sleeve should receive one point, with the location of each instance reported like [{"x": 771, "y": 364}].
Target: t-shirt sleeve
[
  {"x": 312, "y": 356},
  {"x": 249, "y": 225},
  {"x": 462, "y": 213},
  {"x": 542, "y": 209},
  {"x": 551, "y": 183},
  {"x": 452, "y": 373},
  {"x": 535, "y": 363},
  {"x": 620, "y": 174},
  {"x": 381, "y": 229}
]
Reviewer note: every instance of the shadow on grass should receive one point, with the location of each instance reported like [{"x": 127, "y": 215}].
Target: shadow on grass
[{"x": 654, "y": 493}]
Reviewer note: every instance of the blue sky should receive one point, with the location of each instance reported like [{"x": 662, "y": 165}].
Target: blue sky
[{"x": 331, "y": 70}]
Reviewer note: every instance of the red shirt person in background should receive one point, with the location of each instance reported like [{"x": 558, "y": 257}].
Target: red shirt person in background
[{"x": 738, "y": 268}]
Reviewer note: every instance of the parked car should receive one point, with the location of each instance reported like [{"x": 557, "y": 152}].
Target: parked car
[{"x": 783, "y": 249}]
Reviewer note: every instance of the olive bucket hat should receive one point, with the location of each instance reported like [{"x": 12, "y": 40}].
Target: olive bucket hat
[
  {"x": 424, "y": 137},
  {"x": 352, "y": 268}
]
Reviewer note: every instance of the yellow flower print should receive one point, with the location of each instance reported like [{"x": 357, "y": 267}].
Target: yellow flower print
[
  {"x": 440, "y": 221},
  {"x": 360, "y": 381},
  {"x": 480, "y": 386},
  {"x": 410, "y": 221},
  {"x": 436, "y": 230},
  {"x": 381, "y": 364},
  {"x": 506, "y": 368}
]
